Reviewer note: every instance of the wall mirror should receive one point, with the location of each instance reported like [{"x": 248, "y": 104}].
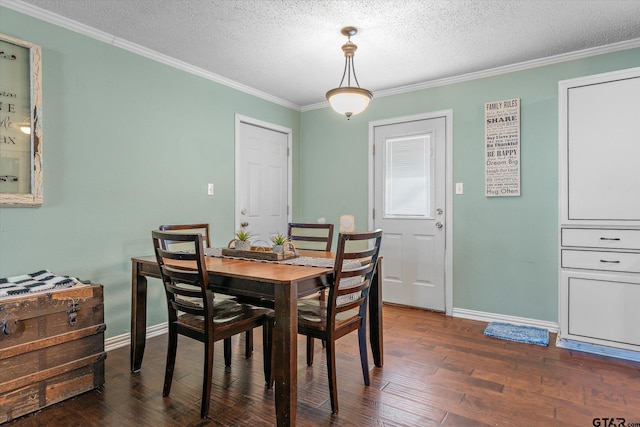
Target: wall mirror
[{"x": 20, "y": 123}]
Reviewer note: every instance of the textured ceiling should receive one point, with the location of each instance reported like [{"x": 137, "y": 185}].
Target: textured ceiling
[{"x": 291, "y": 48}]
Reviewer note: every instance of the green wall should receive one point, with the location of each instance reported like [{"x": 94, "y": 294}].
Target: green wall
[
  {"x": 129, "y": 144},
  {"x": 505, "y": 256}
]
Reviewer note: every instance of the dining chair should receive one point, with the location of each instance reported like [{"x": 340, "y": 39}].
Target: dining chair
[
  {"x": 194, "y": 312},
  {"x": 206, "y": 239},
  {"x": 345, "y": 308},
  {"x": 314, "y": 237},
  {"x": 186, "y": 229}
]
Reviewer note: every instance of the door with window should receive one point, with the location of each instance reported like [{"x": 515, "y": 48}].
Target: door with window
[
  {"x": 409, "y": 203},
  {"x": 263, "y": 178}
]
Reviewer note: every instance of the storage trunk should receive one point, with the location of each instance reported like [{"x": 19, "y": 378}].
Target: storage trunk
[{"x": 51, "y": 348}]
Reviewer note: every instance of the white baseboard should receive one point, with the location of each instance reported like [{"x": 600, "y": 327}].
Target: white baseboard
[
  {"x": 125, "y": 339},
  {"x": 600, "y": 350},
  {"x": 494, "y": 317}
]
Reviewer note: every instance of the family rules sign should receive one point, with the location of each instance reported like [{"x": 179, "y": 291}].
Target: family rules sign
[{"x": 502, "y": 148}]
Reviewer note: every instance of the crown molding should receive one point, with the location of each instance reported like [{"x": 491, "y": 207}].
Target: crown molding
[
  {"x": 104, "y": 37},
  {"x": 521, "y": 66}
]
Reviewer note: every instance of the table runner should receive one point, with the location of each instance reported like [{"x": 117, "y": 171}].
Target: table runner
[{"x": 306, "y": 261}]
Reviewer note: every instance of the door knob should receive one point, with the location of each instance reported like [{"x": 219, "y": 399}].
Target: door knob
[
  {"x": 439, "y": 224},
  {"x": 243, "y": 224},
  {"x": 439, "y": 211},
  {"x": 243, "y": 211}
]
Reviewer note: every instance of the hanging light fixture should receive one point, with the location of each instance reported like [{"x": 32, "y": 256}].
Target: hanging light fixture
[{"x": 349, "y": 100}]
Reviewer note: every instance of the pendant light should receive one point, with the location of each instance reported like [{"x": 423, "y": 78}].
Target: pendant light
[{"x": 349, "y": 100}]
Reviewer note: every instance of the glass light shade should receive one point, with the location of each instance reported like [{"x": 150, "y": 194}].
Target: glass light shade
[{"x": 349, "y": 100}]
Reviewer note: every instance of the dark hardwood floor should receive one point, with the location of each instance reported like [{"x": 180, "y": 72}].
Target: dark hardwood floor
[{"x": 438, "y": 370}]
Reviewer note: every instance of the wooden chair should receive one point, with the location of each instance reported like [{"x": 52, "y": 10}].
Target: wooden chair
[
  {"x": 186, "y": 229},
  {"x": 206, "y": 239},
  {"x": 345, "y": 309},
  {"x": 314, "y": 237},
  {"x": 194, "y": 312}
]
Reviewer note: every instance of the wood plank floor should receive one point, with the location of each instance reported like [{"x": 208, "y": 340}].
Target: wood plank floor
[{"x": 438, "y": 370}]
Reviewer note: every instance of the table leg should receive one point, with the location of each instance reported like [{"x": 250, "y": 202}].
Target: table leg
[
  {"x": 138, "y": 316},
  {"x": 285, "y": 353},
  {"x": 375, "y": 316}
]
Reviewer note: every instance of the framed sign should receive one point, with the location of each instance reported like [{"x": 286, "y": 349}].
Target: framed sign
[
  {"x": 20, "y": 123},
  {"x": 502, "y": 148}
]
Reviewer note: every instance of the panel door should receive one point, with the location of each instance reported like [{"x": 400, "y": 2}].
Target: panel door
[
  {"x": 410, "y": 182},
  {"x": 262, "y": 181}
]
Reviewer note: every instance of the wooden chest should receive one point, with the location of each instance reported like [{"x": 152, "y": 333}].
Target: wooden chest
[{"x": 51, "y": 348}]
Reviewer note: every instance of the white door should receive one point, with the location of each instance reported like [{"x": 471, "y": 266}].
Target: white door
[
  {"x": 409, "y": 203},
  {"x": 263, "y": 179}
]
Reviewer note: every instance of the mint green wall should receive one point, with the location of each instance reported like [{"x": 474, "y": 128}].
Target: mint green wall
[
  {"x": 504, "y": 249},
  {"x": 129, "y": 144}
]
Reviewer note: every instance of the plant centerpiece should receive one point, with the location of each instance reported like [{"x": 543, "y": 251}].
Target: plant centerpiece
[
  {"x": 279, "y": 241},
  {"x": 241, "y": 240},
  {"x": 281, "y": 244}
]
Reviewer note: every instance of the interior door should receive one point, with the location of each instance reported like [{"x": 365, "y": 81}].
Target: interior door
[
  {"x": 410, "y": 195},
  {"x": 263, "y": 179}
]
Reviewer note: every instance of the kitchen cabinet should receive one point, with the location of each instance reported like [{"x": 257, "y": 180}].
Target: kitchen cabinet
[{"x": 599, "y": 200}]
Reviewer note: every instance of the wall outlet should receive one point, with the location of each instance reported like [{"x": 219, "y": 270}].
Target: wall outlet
[{"x": 210, "y": 189}]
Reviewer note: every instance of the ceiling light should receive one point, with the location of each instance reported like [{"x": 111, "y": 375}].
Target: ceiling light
[{"x": 349, "y": 100}]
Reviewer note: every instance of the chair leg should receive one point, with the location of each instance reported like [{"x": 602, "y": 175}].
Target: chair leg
[
  {"x": 171, "y": 360},
  {"x": 227, "y": 352},
  {"x": 207, "y": 378},
  {"x": 321, "y": 298},
  {"x": 331, "y": 372},
  {"x": 248, "y": 349},
  {"x": 309, "y": 351},
  {"x": 267, "y": 352},
  {"x": 364, "y": 359}
]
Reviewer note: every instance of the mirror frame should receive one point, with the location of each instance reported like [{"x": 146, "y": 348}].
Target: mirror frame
[{"x": 34, "y": 197}]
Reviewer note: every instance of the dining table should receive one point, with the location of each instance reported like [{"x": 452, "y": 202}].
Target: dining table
[{"x": 281, "y": 283}]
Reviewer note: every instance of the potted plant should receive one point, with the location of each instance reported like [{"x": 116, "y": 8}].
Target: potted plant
[
  {"x": 241, "y": 240},
  {"x": 279, "y": 240}
]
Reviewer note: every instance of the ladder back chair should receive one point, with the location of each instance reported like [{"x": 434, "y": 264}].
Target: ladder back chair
[
  {"x": 206, "y": 240},
  {"x": 313, "y": 237},
  {"x": 194, "y": 312},
  {"x": 345, "y": 309},
  {"x": 187, "y": 229}
]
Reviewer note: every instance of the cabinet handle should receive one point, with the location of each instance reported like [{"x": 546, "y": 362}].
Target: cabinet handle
[
  {"x": 610, "y": 262},
  {"x": 610, "y": 238}
]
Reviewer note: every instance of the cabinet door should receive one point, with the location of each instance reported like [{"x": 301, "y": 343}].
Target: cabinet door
[
  {"x": 603, "y": 150},
  {"x": 603, "y": 309}
]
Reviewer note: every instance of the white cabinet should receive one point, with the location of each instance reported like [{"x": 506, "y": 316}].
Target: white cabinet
[
  {"x": 599, "y": 172},
  {"x": 601, "y": 309}
]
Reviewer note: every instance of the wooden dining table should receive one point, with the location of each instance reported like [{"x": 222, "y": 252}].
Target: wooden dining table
[{"x": 280, "y": 283}]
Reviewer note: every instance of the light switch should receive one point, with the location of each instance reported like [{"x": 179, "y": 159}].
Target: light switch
[
  {"x": 210, "y": 189},
  {"x": 459, "y": 188}
]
